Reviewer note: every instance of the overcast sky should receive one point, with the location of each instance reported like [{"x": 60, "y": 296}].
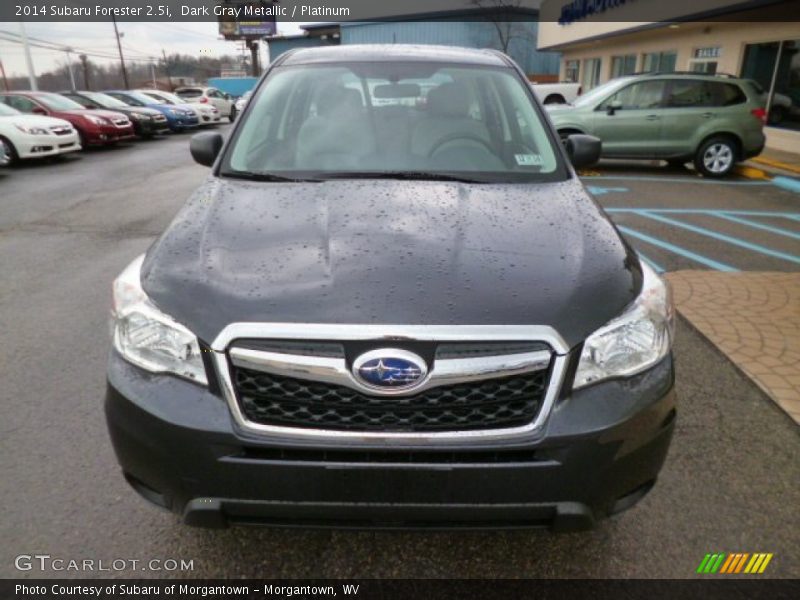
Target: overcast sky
[{"x": 140, "y": 41}]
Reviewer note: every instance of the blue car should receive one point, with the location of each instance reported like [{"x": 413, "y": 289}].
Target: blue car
[{"x": 178, "y": 118}]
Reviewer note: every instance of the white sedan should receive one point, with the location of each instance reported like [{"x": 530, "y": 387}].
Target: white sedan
[
  {"x": 207, "y": 114},
  {"x": 24, "y": 136}
]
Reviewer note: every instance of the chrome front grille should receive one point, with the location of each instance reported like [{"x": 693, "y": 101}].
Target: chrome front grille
[
  {"x": 483, "y": 382},
  {"x": 495, "y": 403}
]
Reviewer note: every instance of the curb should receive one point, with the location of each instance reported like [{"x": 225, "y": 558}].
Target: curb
[
  {"x": 751, "y": 172},
  {"x": 776, "y": 164}
]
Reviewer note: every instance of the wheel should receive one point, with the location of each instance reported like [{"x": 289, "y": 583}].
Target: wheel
[
  {"x": 555, "y": 99},
  {"x": 716, "y": 157},
  {"x": 13, "y": 157},
  {"x": 232, "y": 116}
]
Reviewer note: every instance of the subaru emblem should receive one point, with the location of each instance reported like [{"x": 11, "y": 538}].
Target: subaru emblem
[{"x": 390, "y": 369}]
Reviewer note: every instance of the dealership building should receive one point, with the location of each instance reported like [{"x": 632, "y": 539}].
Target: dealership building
[{"x": 761, "y": 43}]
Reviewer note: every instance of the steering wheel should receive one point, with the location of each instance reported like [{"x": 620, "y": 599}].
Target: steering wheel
[{"x": 461, "y": 136}]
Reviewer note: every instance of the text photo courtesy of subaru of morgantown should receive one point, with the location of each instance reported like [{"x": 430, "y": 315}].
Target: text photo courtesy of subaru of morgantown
[{"x": 400, "y": 299}]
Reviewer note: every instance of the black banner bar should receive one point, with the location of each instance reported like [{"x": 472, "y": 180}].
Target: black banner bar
[
  {"x": 718, "y": 588},
  {"x": 565, "y": 12}
]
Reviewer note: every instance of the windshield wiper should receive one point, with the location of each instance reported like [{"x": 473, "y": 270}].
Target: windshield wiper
[
  {"x": 404, "y": 175},
  {"x": 253, "y": 176}
]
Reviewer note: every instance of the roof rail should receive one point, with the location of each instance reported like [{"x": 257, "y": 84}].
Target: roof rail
[{"x": 690, "y": 73}]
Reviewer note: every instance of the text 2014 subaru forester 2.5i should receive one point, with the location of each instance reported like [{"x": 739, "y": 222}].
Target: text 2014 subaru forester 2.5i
[{"x": 391, "y": 304}]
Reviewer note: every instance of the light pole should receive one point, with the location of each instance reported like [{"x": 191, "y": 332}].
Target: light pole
[
  {"x": 121, "y": 57},
  {"x": 69, "y": 65},
  {"x": 28, "y": 59}
]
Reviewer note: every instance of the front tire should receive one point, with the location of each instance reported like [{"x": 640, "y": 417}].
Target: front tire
[
  {"x": 13, "y": 157},
  {"x": 716, "y": 157},
  {"x": 232, "y": 116}
]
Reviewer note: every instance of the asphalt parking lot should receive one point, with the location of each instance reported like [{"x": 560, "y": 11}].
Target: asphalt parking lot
[{"x": 68, "y": 228}]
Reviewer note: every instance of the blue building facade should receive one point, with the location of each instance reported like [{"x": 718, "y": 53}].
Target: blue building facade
[{"x": 520, "y": 35}]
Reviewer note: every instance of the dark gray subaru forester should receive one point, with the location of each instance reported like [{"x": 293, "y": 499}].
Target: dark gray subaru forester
[{"x": 391, "y": 304}]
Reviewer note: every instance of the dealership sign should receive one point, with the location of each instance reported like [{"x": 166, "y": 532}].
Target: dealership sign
[{"x": 581, "y": 9}]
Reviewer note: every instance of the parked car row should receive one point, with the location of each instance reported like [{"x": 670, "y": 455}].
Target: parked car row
[{"x": 42, "y": 124}]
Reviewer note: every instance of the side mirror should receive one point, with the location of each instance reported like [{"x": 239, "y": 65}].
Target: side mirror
[
  {"x": 583, "y": 150},
  {"x": 38, "y": 110},
  {"x": 227, "y": 96},
  {"x": 205, "y": 147},
  {"x": 614, "y": 106}
]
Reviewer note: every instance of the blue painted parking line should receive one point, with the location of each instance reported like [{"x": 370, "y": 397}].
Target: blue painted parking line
[
  {"x": 707, "y": 211},
  {"x": 596, "y": 190},
  {"x": 675, "y": 249},
  {"x": 656, "y": 267},
  {"x": 756, "y": 225},
  {"x": 787, "y": 183},
  {"x": 675, "y": 180},
  {"x": 722, "y": 237}
]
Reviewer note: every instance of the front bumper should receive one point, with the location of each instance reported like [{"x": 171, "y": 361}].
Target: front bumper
[
  {"x": 182, "y": 123},
  {"x": 600, "y": 452},
  {"x": 39, "y": 146},
  {"x": 149, "y": 128},
  {"x": 108, "y": 134},
  {"x": 210, "y": 119}
]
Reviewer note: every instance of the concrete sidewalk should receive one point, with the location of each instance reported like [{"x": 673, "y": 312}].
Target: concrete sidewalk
[{"x": 754, "y": 319}]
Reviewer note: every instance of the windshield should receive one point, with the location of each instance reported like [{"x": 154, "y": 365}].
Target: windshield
[
  {"x": 598, "y": 93},
  {"x": 7, "y": 111},
  {"x": 137, "y": 99},
  {"x": 170, "y": 98},
  {"x": 104, "y": 100},
  {"x": 56, "y": 102},
  {"x": 403, "y": 120}
]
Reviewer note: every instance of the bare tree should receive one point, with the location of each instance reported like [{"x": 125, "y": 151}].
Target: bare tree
[{"x": 507, "y": 18}]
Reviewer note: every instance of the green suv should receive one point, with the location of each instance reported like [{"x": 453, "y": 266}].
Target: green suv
[{"x": 713, "y": 121}]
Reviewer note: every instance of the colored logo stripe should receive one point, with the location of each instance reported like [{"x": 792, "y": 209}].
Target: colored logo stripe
[{"x": 737, "y": 562}]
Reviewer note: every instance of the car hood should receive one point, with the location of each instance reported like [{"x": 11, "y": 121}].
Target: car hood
[
  {"x": 391, "y": 252},
  {"x": 98, "y": 112},
  {"x": 35, "y": 121},
  {"x": 140, "y": 110},
  {"x": 558, "y": 108},
  {"x": 198, "y": 106}
]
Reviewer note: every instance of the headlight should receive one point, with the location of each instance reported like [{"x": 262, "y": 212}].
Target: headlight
[
  {"x": 634, "y": 341},
  {"x": 98, "y": 120},
  {"x": 173, "y": 111},
  {"x": 138, "y": 117},
  {"x": 147, "y": 337},
  {"x": 32, "y": 130}
]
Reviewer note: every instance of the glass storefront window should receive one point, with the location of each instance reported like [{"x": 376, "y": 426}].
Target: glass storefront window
[
  {"x": 779, "y": 62},
  {"x": 659, "y": 62},
  {"x": 572, "y": 70},
  {"x": 591, "y": 73},
  {"x": 623, "y": 65}
]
